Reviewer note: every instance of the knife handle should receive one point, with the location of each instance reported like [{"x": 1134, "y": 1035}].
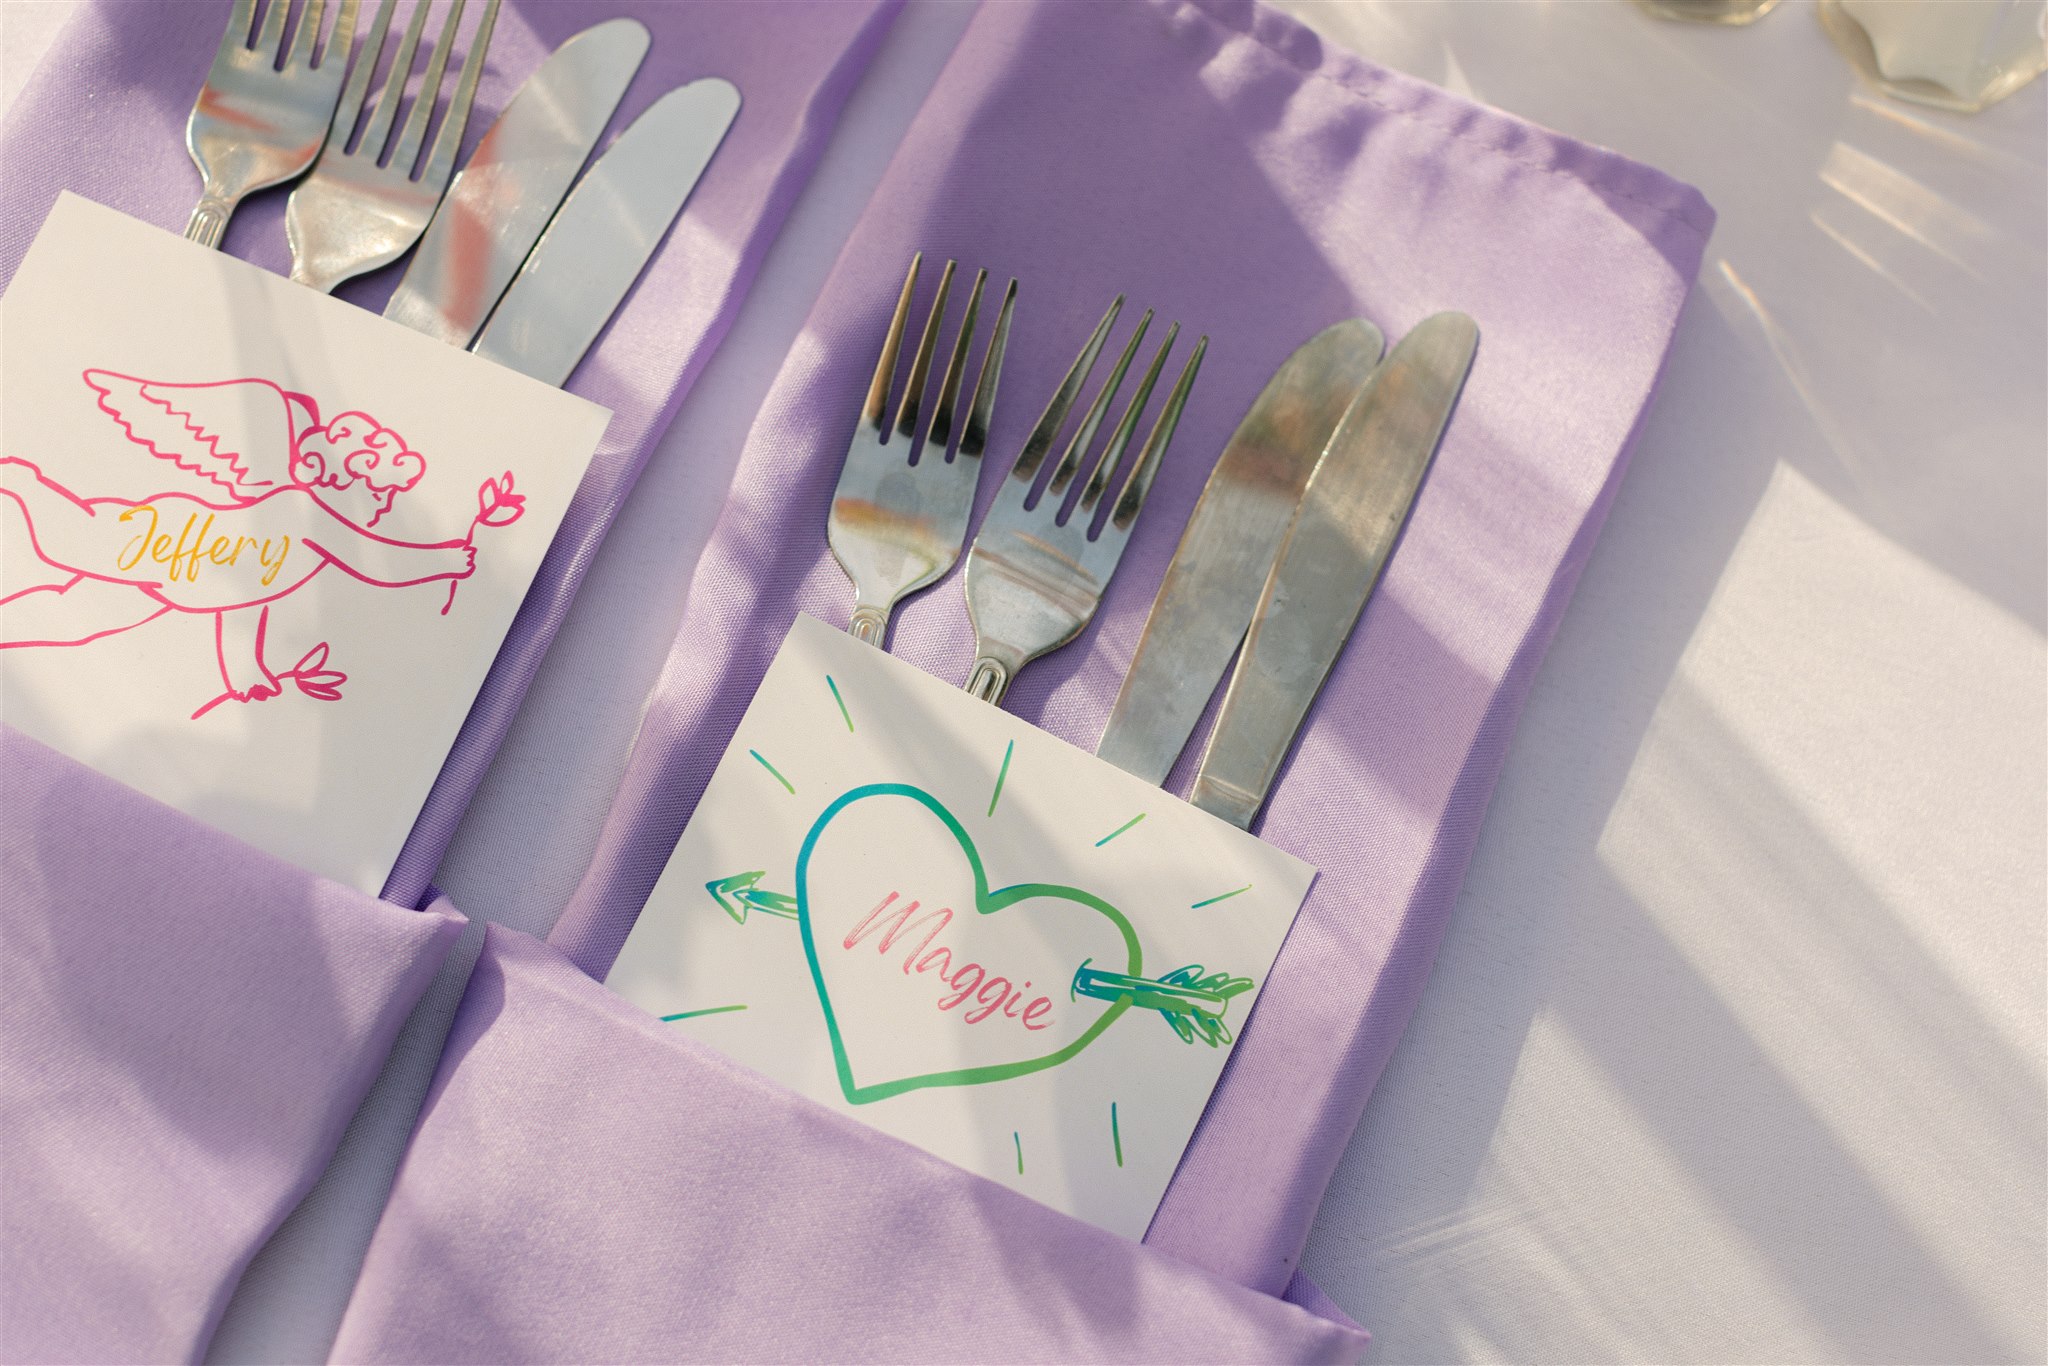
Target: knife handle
[
  {"x": 1330, "y": 561},
  {"x": 1288, "y": 654}
]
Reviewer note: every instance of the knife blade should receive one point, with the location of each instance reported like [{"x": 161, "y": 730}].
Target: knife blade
[
  {"x": 1330, "y": 561},
  {"x": 611, "y": 223},
  {"x": 1212, "y": 584},
  {"x": 498, "y": 204}
]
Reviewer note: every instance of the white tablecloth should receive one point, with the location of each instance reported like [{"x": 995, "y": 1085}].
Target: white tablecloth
[{"x": 1735, "y": 1048}]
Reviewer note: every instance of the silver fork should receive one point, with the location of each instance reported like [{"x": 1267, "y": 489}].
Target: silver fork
[
  {"x": 354, "y": 214},
  {"x": 264, "y": 109},
  {"x": 896, "y": 527},
  {"x": 1034, "y": 579}
]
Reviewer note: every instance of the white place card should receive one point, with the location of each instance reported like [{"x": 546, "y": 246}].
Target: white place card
[
  {"x": 934, "y": 917},
  {"x": 258, "y": 547}
]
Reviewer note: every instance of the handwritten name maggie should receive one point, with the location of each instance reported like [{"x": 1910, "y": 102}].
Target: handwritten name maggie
[{"x": 993, "y": 997}]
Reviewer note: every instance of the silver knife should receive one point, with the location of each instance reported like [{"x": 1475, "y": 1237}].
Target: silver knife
[
  {"x": 499, "y": 203},
  {"x": 612, "y": 222},
  {"x": 1330, "y": 561},
  {"x": 1213, "y": 582}
]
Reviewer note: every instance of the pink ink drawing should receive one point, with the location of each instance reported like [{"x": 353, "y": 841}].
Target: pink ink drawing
[{"x": 299, "y": 495}]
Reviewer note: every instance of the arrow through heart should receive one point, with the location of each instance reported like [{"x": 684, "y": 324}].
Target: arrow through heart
[
  {"x": 921, "y": 1001},
  {"x": 901, "y": 1044}
]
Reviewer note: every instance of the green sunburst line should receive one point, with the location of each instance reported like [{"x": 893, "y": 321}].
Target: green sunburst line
[
  {"x": 1018, "y": 1139},
  {"x": 1225, "y": 897},
  {"x": 845, "y": 715},
  {"x": 1008, "y": 750},
  {"x": 693, "y": 1014},
  {"x": 1119, "y": 830},
  {"x": 1116, "y": 1135},
  {"x": 787, "y": 785}
]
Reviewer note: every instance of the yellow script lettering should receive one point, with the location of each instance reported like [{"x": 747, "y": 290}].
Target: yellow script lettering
[
  {"x": 133, "y": 553},
  {"x": 284, "y": 548}
]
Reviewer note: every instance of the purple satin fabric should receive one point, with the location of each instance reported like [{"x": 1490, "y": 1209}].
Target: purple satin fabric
[
  {"x": 186, "y": 1025},
  {"x": 104, "y": 115},
  {"x": 1217, "y": 163},
  {"x": 181, "y": 1061},
  {"x": 586, "y": 1185}
]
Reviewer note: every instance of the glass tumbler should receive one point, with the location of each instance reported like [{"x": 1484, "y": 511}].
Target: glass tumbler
[{"x": 1954, "y": 54}]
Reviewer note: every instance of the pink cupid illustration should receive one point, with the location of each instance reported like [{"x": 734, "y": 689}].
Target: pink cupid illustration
[{"x": 300, "y": 496}]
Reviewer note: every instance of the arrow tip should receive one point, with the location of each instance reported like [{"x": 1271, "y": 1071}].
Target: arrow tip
[{"x": 729, "y": 893}]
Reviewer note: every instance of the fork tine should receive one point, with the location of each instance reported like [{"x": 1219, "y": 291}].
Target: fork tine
[
  {"x": 1132, "y": 501},
  {"x": 1084, "y": 435},
  {"x": 1055, "y": 415},
  {"x": 302, "y": 37},
  {"x": 940, "y": 433},
  {"x": 359, "y": 74},
  {"x": 385, "y": 110},
  {"x": 448, "y": 141},
  {"x": 236, "y": 38},
  {"x": 342, "y": 39},
  {"x": 974, "y": 439},
  {"x": 874, "y": 413},
  {"x": 1112, "y": 457},
  {"x": 921, "y": 364},
  {"x": 414, "y": 132},
  {"x": 270, "y": 42}
]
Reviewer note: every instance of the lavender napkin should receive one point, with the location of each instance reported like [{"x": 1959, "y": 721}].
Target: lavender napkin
[
  {"x": 185, "y": 1026},
  {"x": 585, "y": 1185},
  {"x": 1216, "y": 162},
  {"x": 104, "y": 115}
]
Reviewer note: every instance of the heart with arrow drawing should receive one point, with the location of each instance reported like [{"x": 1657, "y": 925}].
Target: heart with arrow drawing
[{"x": 927, "y": 976}]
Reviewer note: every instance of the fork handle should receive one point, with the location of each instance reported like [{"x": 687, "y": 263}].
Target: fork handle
[
  {"x": 870, "y": 624},
  {"x": 209, "y": 221},
  {"x": 989, "y": 679}
]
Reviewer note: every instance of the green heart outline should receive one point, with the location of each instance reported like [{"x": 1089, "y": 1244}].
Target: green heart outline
[{"x": 986, "y": 902}]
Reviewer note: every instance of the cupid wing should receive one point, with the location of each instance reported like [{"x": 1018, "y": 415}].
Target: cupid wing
[{"x": 237, "y": 434}]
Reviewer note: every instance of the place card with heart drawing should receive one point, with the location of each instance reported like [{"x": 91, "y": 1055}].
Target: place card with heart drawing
[{"x": 930, "y": 915}]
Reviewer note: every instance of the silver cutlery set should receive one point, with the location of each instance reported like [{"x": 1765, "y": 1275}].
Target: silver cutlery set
[
  {"x": 894, "y": 526},
  {"x": 1287, "y": 542},
  {"x": 521, "y": 260},
  {"x": 1036, "y": 572},
  {"x": 1034, "y": 579},
  {"x": 1358, "y": 496},
  {"x": 358, "y": 211},
  {"x": 517, "y": 257}
]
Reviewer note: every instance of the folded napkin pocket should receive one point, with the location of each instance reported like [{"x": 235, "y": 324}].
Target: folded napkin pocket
[
  {"x": 188, "y": 1024},
  {"x": 586, "y": 1184},
  {"x": 954, "y": 973},
  {"x": 1218, "y": 163}
]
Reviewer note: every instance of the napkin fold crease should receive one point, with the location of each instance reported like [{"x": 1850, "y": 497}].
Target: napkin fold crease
[{"x": 186, "y": 1025}]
